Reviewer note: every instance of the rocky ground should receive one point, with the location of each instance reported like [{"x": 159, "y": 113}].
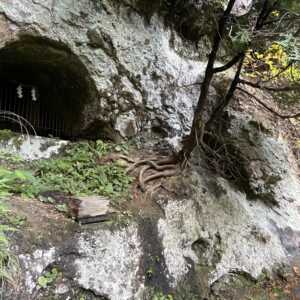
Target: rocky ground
[
  {"x": 225, "y": 227},
  {"x": 200, "y": 236}
]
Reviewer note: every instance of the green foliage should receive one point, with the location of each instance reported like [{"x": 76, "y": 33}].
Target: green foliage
[
  {"x": 48, "y": 278},
  {"x": 161, "y": 296},
  {"x": 8, "y": 262},
  {"x": 7, "y": 157},
  {"x": 17, "y": 182},
  {"x": 291, "y": 5},
  {"x": 6, "y": 134},
  {"x": 271, "y": 63},
  {"x": 78, "y": 172},
  {"x": 291, "y": 46},
  {"x": 241, "y": 39}
]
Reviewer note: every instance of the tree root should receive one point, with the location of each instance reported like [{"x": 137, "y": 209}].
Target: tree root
[
  {"x": 138, "y": 163},
  {"x": 149, "y": 169},
  {"x": 150, "y": 191},
  {"x": 114, "y": 157},
  {"x": 159, "y": 168},
  {"x": 166, "y": 173},
  {"x": 141, "y": 177}
]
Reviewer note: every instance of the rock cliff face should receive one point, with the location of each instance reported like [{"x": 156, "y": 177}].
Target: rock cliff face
[
  {"x": 206, "y": 232},
  {"x": 206, "y": 239},
  {"x": 135, "y": 72}
]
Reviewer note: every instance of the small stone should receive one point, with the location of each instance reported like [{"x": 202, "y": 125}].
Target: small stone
[
  {"x": 94, "y": 209},
  {"x": 61, "y": 289},
  {"x": 241, "y": 7},
  {"x": 126, "y": 125}
]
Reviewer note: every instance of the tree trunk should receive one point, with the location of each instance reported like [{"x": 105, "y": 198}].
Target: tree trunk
[{"x": 198, "y": 124}]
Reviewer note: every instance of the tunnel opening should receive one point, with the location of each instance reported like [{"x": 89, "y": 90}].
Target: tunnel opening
[{"x": 43, "y": 82}]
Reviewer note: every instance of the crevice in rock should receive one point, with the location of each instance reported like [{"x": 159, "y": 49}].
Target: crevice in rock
[
  {"x": 153, "y": 266},
  {"x": 91, "y": 295}
]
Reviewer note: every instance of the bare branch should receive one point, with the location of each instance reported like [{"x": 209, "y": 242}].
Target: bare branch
[
  {"x": 190, "y": 142},
  {"x": 257, "y": 85},
  {"x": 231, "y": 63},
  {"x": 297, "y": 115},
  {"x": 217, "y": 112}
]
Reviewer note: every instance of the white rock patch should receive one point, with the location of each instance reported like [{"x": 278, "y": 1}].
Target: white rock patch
[{"x": 110, "y": 262}]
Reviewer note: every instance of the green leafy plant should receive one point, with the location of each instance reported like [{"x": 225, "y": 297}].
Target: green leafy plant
[
  {"x": 161, "y": 296},
  {"x": 17, "y": 182},
  {"x": 8, "y": 262},
  {"x": 240, "y": 39},
  {"x": 78, "y": 172},
  {"x": 9, "y": 157},
  {"x": 48, "y": 278},
  {"x": 6, "y": 134}
]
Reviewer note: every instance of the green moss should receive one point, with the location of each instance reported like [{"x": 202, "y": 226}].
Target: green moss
[{"x": 6, "y": 135}]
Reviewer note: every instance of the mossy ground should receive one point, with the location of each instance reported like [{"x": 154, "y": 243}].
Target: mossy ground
[{"x": 76, "y": 171}]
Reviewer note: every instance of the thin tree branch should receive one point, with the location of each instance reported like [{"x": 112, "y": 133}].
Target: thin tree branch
[
  {"x": 270, "y": 88},
  {"x": 229, "y": 95},
  {"x": 297, "y": 115},
  {"x": 229, "y": 64},
  {"x": 190, "y": 142},
  {"x": 188, "y": 85},
  {"x": 280, "y": 72}
]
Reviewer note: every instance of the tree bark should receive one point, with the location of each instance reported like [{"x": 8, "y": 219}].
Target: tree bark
[{"x": 198, "y": 124}]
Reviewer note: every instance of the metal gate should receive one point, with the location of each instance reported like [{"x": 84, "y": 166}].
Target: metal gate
[{"x": 25, "y": 101}]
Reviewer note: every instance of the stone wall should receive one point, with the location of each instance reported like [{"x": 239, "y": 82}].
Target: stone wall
[{"x": 141, "y": 70}]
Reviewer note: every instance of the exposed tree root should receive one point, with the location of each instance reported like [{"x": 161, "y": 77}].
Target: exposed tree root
[
  {"x": 159, "y": 169},
  {"x": 141, "y": 177},
  {"x": 139, "y": 163},
  {"x": 148, "y": 169},
  {"x": 113, "y": 157},
  {"x": 162, "y": 174},
  {"x": 151, "y": 190}
]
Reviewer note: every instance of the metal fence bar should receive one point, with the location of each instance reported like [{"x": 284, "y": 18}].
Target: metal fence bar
[{"x": 44, "y": 121}]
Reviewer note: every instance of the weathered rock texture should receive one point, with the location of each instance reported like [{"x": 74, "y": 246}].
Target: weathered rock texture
[
  {"x": 134, "y": 72},
  {"x": 210, "y": 233},
  {"x": 136, "y": 75}
]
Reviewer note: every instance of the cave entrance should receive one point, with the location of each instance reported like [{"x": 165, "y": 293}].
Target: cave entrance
[{"x": 44, "y": 83}]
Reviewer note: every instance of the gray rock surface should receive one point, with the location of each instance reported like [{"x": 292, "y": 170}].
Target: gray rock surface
[
  {"x": 267, "y": 158},
  {"x": 101, "y": 254},
  {"x": 138, "y": 74},
  {"x": 209, "y": 233},
  {"x": 32, "y": 147},
  {"x": 136, "y": 68}
]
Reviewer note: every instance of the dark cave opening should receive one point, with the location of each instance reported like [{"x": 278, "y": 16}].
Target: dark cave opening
[{"x": 45, "y": 83}]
